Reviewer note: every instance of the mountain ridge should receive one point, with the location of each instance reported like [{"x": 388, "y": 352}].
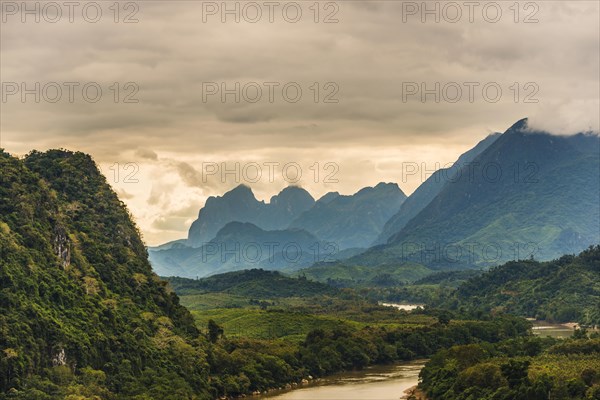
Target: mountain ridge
[
  {"x": 240, "y": 204},
  {"x": 544, "y": 200},
  {"x": 242, "y": 245},
  {"x": 365, "y": 212},
  {"x": 429, "y": 189}
]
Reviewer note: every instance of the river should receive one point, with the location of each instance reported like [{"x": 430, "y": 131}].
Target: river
[
  {"x": 382, "y": 382},
  {"x": 405, "y": 307},
  {"x": 378, "y": 382},
  {"x": 542, "y": 328}
]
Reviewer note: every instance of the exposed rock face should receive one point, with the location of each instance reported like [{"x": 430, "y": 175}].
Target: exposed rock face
[{"x": 62, "y": 247}]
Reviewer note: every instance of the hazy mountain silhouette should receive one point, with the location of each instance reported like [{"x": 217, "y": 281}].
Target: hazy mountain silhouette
[
  {"x": 527, "y": 194},
  {"x": 355, "y": 220},
  {"x": 240, "y": 205}
]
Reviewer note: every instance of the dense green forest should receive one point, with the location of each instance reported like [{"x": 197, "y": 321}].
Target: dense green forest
[
  {"x": 311, "y": 330},
  {"x": 341, "y": 275},
  {"x": 516, "y": 369},
  {"x": 82, "y": 314},
  {"x": 563, "y": 290}
]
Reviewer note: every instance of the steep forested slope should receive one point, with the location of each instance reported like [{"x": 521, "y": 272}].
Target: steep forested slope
[{"x": 81, "y": 312}]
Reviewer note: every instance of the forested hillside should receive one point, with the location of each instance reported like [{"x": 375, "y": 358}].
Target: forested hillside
[
  {"x": 81, "y": 311},
  {"x": 563, "y": 290},
  {"x": 83, "y": 317},
  {"x": 430, "y": 188},
  {"x": 252, "y": 283}
]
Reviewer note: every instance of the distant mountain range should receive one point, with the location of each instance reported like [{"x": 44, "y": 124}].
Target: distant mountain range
[
  {"x": 236, "y": 231},
  {"x": 352, "y": 221},
  {"x": 516, "y": 195},
  {"x": 527, "y": 194},
  {"x": 240, "y": 205},
  {"x": 242, "y": 245}
]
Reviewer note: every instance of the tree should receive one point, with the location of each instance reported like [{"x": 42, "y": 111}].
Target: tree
[
  {"x": 214, "y": 331},
  {"x": 444, "y": 318},
  {"x": 580, "y": 333},
  {"x": 590, "y": 376},
  {"x": 515, "y": 372}
]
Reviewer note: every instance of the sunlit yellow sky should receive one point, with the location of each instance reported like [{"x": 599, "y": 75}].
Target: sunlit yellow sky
[{"x": 161, "y": 144}]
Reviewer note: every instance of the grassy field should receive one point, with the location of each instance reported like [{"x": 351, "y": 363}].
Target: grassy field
[{"x": 259, "y": 304}]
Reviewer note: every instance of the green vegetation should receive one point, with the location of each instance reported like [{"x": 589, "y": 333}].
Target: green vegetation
[
  {"x": 81, "y": 313},
  {"x": 266, "y": 320},
  {"x": 318, "y": 330},
  {"x": 352, "y": 276},
  {"x": 434, "y": 289},
  {"x": 563, "y": 290},
  {"x": 83, "y": 317},
  {"x": 252, "y": 283},
  {"x": 520, "y": 369},
  {"x": 427, "y": 191},
  {"x": 242, "y": 362}
]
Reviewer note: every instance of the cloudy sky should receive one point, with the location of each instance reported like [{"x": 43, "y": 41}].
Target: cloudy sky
[{"x": 343, "y": 92}]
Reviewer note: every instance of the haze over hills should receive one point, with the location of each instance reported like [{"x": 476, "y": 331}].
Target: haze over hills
[
  {"x": 292, "y": 231},
  {"x": 430, "y": 188},
  {"x": 352, "y": 221},
  {"x": 528, "y": 194},
  {"x": 240, "y": 205},
  {"x": 242, "y": 245},
  {"x": 514, "y": 195},
  {"x": 82, "y": 314}
]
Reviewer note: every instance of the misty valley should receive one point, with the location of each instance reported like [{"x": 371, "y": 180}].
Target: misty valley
[{"x": 469, "y": 288}]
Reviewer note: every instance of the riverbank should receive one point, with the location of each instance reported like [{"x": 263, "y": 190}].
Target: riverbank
[{"x": 414, "y": 393}]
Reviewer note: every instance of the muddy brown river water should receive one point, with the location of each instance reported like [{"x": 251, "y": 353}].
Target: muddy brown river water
[{"x": 375, "y": 383}]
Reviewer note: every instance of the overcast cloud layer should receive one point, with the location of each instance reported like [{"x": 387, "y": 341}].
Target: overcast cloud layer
[{"x": 166, "y": 146}]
